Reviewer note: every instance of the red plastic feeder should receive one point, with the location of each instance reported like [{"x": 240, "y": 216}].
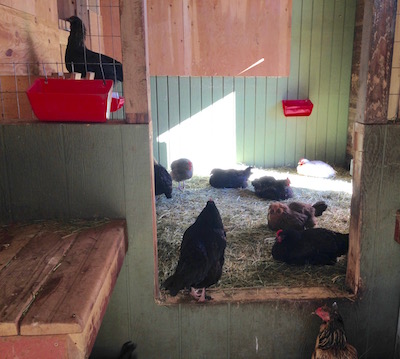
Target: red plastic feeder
[
  {"x": 116, "y": 102},
  {"x": 71, "y": 100},
  {"x": 297, "y": 107}
]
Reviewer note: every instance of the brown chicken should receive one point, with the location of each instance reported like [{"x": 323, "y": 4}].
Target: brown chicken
[
  {"x": 296, "y": 215},
  {"x": 331, "y": 341},
  {"x": 181, "y": 170}
]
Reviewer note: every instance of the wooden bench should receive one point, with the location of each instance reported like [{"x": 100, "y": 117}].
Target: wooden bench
[{"x": 56, "y": 280}]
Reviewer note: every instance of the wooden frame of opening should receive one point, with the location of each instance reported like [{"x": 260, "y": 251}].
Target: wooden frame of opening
[{"x": 371, "y": 109}]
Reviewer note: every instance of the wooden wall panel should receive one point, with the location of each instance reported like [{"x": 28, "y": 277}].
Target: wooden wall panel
[
  {"x": 111, "y": 28},
  {"x": 224, "y": 38},
  {"x": 322, "y": 35},
  {"x": 26, "y": 38}
]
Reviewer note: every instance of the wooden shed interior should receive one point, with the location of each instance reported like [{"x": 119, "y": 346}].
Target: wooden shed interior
[{"x": 344, "y": 55}]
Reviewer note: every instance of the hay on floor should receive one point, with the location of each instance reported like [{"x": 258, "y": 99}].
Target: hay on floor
[{"x": 248, "y": 260}]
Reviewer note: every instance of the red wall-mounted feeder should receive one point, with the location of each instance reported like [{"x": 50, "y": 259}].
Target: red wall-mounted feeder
[
  {"x": 297, "y": 107},
  {"x": 72, "y": 100}
]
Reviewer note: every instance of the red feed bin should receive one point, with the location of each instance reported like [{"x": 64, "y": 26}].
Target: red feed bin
[
  {"x": 297, "y": 107},
  {"x": 63, "y": 100}
]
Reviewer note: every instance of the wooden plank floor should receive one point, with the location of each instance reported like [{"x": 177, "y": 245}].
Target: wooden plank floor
[{"x": 57, "y": 279}]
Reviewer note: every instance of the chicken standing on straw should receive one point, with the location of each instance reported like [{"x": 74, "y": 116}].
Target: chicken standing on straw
[
  {"x": 181, "y": 170},
  {"x": 201, "y": 255}
]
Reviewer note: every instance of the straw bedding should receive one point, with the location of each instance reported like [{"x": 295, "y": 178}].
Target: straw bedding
[{"x": 248, "y": 260}]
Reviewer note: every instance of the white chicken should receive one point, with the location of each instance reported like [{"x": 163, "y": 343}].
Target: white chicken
[{"x": 315, "y": 169}]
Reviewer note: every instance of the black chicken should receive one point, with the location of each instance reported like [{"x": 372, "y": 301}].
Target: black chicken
[
  {"x": 312, "y": 246},
  {"x": 162, "y": 180},
  {"x": 331, "y": 342},
  {"x": 128, "y": 351},
  {"x": 270, "y": 188},
  {"x": 79, "y": 58},
  {"x": 230, "y": 178},
  {"x": 295, "y": 215},
  {"x": 201, "y": 255}
]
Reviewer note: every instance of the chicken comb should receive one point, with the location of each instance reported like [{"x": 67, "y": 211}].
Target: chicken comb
[{"x": 278, "y": 233}]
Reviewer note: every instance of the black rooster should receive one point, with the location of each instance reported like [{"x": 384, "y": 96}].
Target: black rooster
[
  {"x": 270, "y": 188},
  {"x": 230, "y": 178},
  {"x": 201, "y": 255},
  {"x": 331, "y": 341},
  {"x": 79, "y": 58},
  {"x": 162, "y": 180},
  {"x": 312, "y": 246}
]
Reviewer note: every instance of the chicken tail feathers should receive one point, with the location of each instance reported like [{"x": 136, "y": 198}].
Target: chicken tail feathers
[
  {"x": 172, "y": 284},
  {"x": 320, "y": 208}
]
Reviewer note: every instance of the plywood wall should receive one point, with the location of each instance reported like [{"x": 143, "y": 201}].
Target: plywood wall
[
  {"x": 219, "y": 38},
  {"x": 29, "y": 37}
]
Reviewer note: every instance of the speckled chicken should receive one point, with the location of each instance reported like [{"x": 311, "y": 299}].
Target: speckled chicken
[
  {"x": 315, "y": 169},
  {"x": 317, "y": 246},
  {"x": 270, "y": 188},
  {"x": 162, "y": 180},
  {"x": 295, "y": 215},
  {"x": 181, "y": 170},
  {"x": 201, "y": 255},
  {"x": 230, "y": 178},
  {"x": 331, "y": 342}
]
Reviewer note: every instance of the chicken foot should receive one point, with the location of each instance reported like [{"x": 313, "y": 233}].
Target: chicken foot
[{"x": 199, "y": 294}]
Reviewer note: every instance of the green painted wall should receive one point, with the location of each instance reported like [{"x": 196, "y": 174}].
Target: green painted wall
[
  {"x": 69, "y": 170},
  {"x": 321, "y": 53}
]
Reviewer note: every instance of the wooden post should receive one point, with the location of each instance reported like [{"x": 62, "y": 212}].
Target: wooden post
[
  {"x": 134, "y": 56},
  {"x": 376, "y": 61}
]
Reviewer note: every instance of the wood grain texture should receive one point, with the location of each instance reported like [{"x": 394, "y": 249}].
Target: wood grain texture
[
  {"x": 134, "y": 52},
  {"x": 62, "y": 284},
  {"x": 44, "y": 347},
  {"x": 376, "y": 60},
  {"x": 63, "y": 305},
  {"x": 250, "y": 295},
  {"x": 224, "y": 38},
  {"x": 29, "y": 38},
  {"x": 24, "y": 276}
]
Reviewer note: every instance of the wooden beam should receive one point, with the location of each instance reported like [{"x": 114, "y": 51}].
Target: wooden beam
[
  {"x": 253, "y": 295},
  {"x": 134, "y": 55},
  {"x": 376, "y": 60}
]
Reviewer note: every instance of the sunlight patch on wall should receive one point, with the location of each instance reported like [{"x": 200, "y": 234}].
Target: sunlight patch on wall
[{"x": 208, "y": 138}]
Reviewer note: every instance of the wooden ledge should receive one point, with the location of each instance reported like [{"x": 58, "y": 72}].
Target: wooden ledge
[
  {"x": 254, "y": 295},
  {"x": 57, "y": 280}
]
